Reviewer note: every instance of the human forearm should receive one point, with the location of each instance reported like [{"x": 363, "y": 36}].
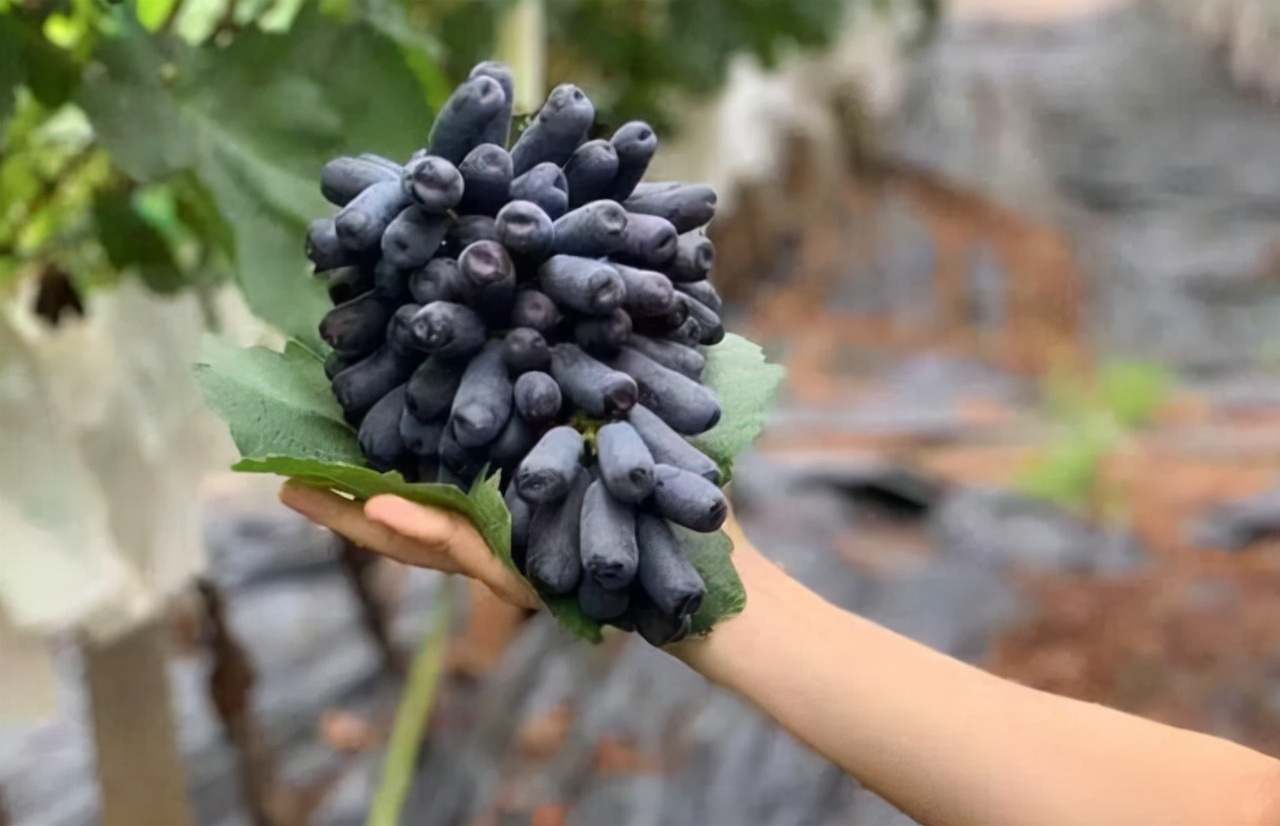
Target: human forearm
[{"x": 949, "y": 743}]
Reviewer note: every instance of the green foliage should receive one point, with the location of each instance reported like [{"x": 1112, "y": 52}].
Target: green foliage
[
  {"x": 277, "y": 404},
  {"x": 710, "y": 554},
  {"x": 1094, "y": 415},
  {"x": 1133, "y": 391},
  {"x": 746, "y": 385}
]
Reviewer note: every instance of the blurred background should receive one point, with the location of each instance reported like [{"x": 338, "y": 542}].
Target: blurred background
[{"x": 1021, "y": 259}]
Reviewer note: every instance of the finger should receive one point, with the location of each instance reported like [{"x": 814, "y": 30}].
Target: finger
[
  {"x": 347, "y": 518},
  {"x": 451, "y": 534}
]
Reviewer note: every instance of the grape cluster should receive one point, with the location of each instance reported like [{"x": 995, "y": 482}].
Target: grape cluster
[{"x": 540, "y": 311}]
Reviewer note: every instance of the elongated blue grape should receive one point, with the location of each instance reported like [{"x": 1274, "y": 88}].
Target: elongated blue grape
[
  {"x": 582, "y": 284},
  {"x": 675, "y": 314},
  {"x": 521, "y": 515},
  {"x": 498, "y": 130},
  {"x": 439, "y": 280},
  {"x": 678, "y": 357},
  {"x": 488, "y": 279},
  {"x": 382, "y": 161},
  {"x": 599, "y": 603},
  {"x": 358, "y": 326},
  {"x": 695, "y": 256},
  {"x": 465, "y": 464},
  {"x": 535, "y": 310},
  {"x": 345, "y": 283},
  {"x": 560, "y": 125},
  {"x": 537, "y": 398},
  {"x": 337, "y": 361},
  {"x": 609, "y": 551},
  {"x": 433, "y": 183},
  {"x": 687, "y": 332},
  {"x": 420, "y": 438},
  {"x": 390, "y": 282},
  {"x": 482, "y": 404},
  {"x": 648, "y": 293},
  {"x": 448, "y": 329},
  {"x": 665, "y": 573},
  {"x": 655, "y": 626},
  {"x": 445, "y": 476},
  {"x": 342, "y": 179},
  {"x": 547, "y": 473},
  {"x": 649, "y": 241},
  {"x": 361, "y": 385},
  {"x": 325, "y": 249},
  {"x": 689, "y": 500},
  {"x": 681, "y": 402},
  {"x": 526, "y": 231},
  {"x": 467, "y": 118},
  {"x": 686, "y": 206},
  {"x": 704, "y": 292},
  {"x": 400, "y": 335},
  {"x": 591, "y": 171},
  {"x": 524, "y": 349},
  {"x": 544, "y": 185},
  {"x": 428, "y": 471},
  {"x": 486, "y": 177},
  {"x": 592, "y": 230},
  {"x": 413, "y": 237},
  {"x": 626, "y": 465},
  {"x": 379, "y": 434},
  {"x": 710, "y": 326},
  {"x": 554, "y": 559},
  {"x": 467, "y": 230},
  {"x": 430, "y": 390},
  {"x": 669, "y": 447},
  {"x": 603, "y": 335},
  {"x": 362, "y": 221},
  {"x": 636, "y": 143},
  {"x": 647, "y": 189},
  {"x": 514, "y": 442},
  {"x": 592, "y": 386}
]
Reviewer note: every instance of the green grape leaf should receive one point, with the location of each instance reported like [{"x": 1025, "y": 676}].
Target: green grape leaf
[
  {"x": 746, "y": 385},
  {"x": 711, "y": 555},
  {"x": 483, "y": 504},
  {"x": 276, "y": 404},
  {"x": 255, "y": 122},
  {"x": 130, "y": 241}
]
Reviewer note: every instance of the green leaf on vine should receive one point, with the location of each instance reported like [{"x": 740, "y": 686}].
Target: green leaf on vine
[
  {"x": 746, "y": 385},
  {"x": 710, "y": 554},
  {"x": 255, "y": 122},
  {"x": 276, "y": 404}
]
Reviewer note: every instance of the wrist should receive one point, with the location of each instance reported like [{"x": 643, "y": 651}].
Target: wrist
[{"x": 775, "y": 608}]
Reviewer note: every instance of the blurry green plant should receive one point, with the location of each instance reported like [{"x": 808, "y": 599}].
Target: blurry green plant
[{"x": 1094, "y": 414}]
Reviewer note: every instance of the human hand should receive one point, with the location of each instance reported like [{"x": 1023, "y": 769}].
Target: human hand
[{"x": 413, "y": 534}]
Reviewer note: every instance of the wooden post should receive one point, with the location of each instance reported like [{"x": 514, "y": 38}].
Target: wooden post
[{"x": 139, "y": 765}]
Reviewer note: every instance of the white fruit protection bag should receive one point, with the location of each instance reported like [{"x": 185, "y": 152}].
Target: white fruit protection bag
[{"x": 104, "y": 440}]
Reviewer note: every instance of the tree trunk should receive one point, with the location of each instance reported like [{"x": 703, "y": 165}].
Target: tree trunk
[{"x": 139, "y": 764}]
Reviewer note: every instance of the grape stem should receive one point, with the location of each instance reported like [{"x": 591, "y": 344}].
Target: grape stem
[
  {"x": 588, "y": 427},
  {"x": 412, "y": 716}
]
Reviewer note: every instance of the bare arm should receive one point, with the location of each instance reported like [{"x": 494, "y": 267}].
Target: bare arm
[
  {"x": 950, "y": 744},
  {"x": 943, "y": 741}
]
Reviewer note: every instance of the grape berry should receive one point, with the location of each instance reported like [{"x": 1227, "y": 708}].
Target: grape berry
[{"x": 540, "y": 312}]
